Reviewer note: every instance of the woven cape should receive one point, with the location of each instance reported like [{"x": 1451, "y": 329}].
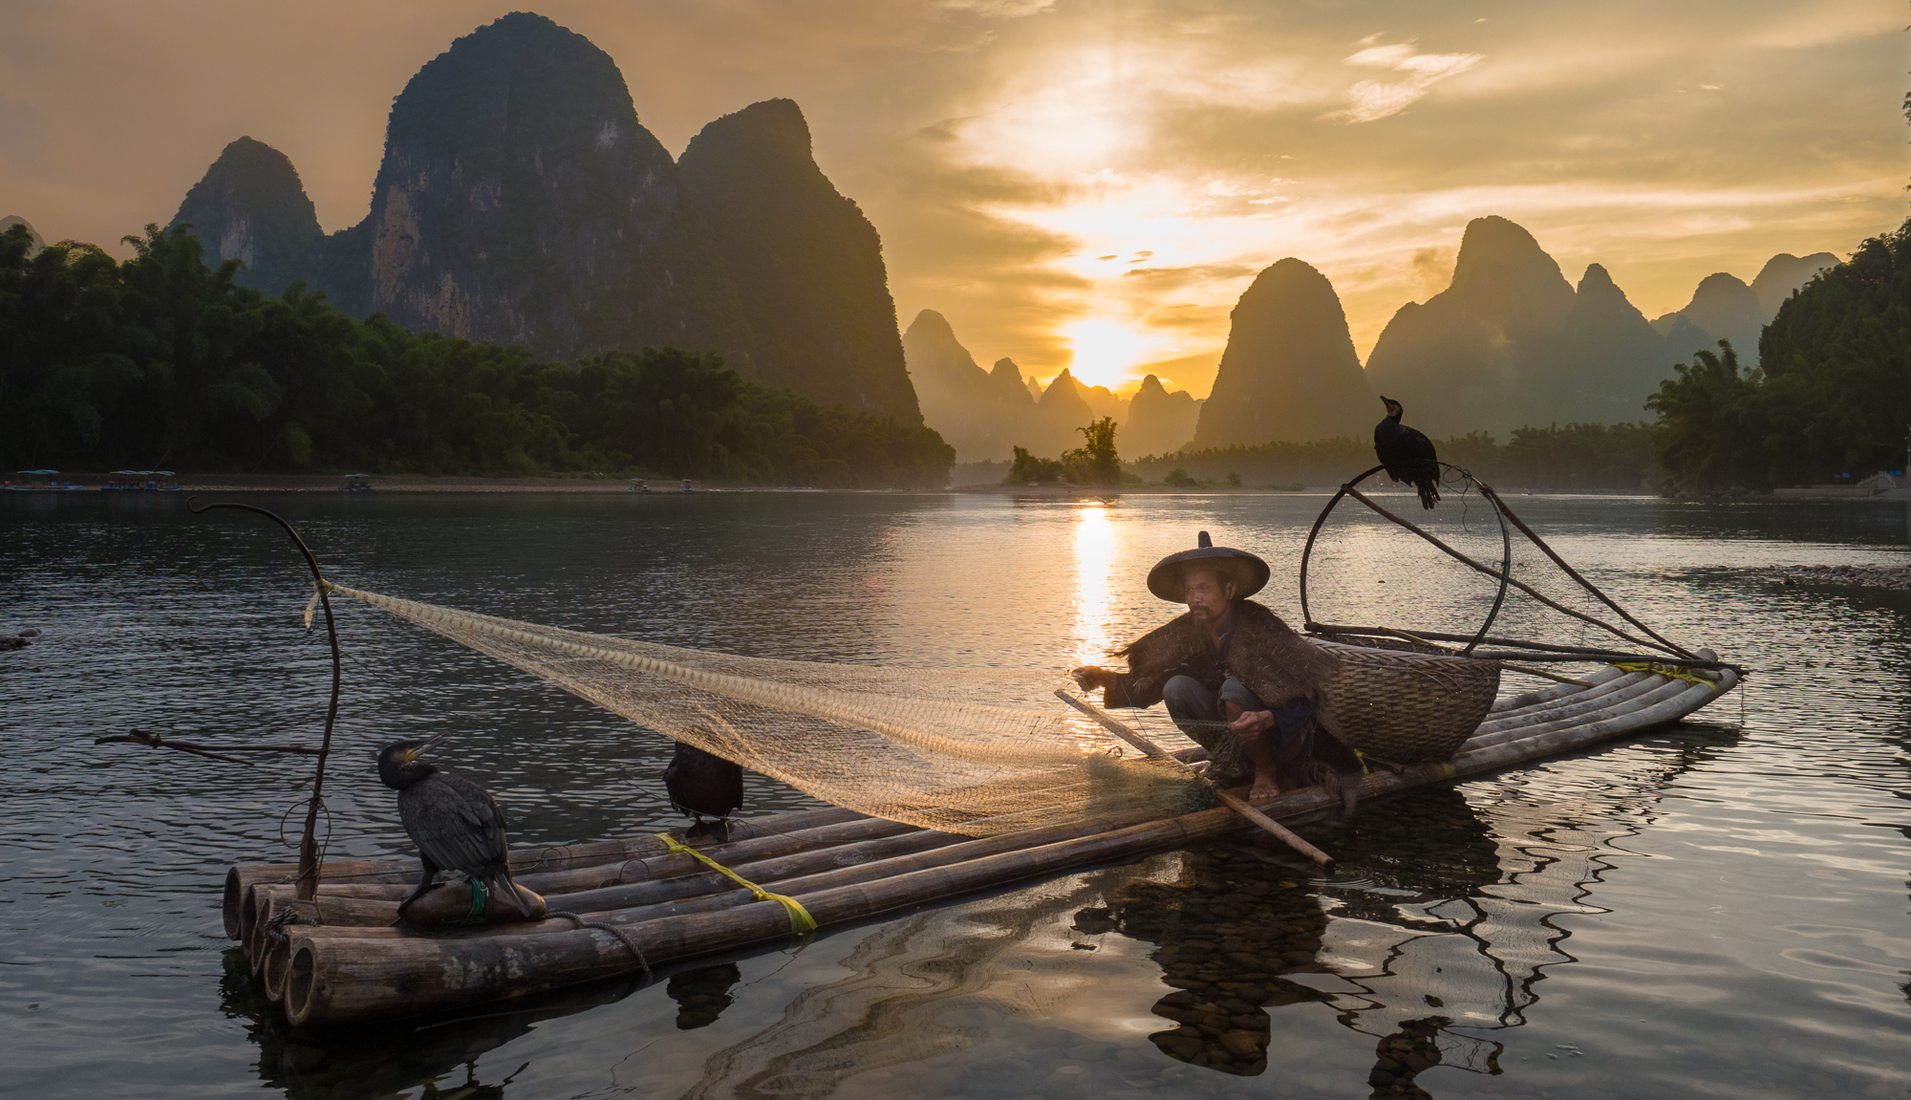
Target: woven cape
[{"x": 1277, "y": 664}]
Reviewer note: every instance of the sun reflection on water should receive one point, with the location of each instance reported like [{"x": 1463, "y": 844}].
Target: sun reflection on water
[{"x": 1095, "y": 544}]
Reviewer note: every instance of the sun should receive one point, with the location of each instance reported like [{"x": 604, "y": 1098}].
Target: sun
[{"x": 1104, "y": 351}]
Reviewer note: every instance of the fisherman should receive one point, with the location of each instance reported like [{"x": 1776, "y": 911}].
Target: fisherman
[{"x": 1234, "y": 677}]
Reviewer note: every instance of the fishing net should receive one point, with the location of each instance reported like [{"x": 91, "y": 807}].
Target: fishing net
[
  {"x": 970, "y": 751},
  {"x": 987, "y": 751},
  {"x": 1467, "y": 576}
]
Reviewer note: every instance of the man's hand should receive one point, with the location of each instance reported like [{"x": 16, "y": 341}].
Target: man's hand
[
  {"x": 1091, "y": 677},
  {"x": 1252, "y": 724}
]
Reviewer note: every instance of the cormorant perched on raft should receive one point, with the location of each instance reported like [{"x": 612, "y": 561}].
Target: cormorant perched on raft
[
  {"x": 1407, "y": 454},
  {"x": 703, "y": 784},
  {"x": 455, "y": 823}
]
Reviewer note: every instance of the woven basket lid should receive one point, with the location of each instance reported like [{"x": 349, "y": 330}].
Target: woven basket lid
[{"x": 1249, "y": 573}]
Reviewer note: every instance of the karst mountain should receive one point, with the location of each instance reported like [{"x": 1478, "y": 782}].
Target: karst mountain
[{"x": 520, "y": 200}]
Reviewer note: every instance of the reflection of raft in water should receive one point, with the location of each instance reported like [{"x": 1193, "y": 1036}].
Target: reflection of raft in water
[{"x": 624, "y": 907}]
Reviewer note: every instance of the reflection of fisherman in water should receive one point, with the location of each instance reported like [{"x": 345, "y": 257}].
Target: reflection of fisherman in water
[
  {"x": 1231, "y": 918},
  {"x": 1439, "y": 941},
  {"x": 1235, "y": 923}
]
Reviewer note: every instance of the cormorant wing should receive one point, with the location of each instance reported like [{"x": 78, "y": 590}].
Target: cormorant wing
[{"x": 455, "y": 823}]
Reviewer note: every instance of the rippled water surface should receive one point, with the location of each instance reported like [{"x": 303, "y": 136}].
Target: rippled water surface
[{"x": 1717, "y": 909}]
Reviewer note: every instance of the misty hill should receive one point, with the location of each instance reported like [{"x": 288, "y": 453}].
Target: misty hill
[
  {"x": 12, "y": 220},
  {"x": 1829, "y": 400},
  {"x": 1722, "y": 308},
  {"x": 986, "y": 414},
  {"x": 1063, "y": 408},
  {"x": 1785, "y": 274},
  {"x": 251, "y": 207},
  {"x": 1510, "y": 344},
  {"x": 1462, "y": 360},
  {"x": 806, "y": 264},
  {"x": 519, "y": 200},
  {"x": 1006, "y": 382},
  {"x": 1602, "y": 363},
  {"x": 982, "y": 414},
  {"x": 1159, "y": 421},
  {"x": 1289, "y": 371}
]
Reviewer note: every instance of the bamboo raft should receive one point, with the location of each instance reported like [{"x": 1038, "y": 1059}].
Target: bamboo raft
[{"x": 630, "y": 907}]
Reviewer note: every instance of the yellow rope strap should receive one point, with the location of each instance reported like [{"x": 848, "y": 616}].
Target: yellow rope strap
[
  {"x": 800, "y": 920},
  {"x": 1670, "y": 672}
]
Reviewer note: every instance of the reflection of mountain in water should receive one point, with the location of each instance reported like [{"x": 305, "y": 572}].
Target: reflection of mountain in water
[{"x": 1443, "y": 938}]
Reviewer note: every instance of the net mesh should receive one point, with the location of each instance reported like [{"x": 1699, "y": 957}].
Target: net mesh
[
  {"x": 970, "y": 751},
  {"x": 1380, "y": 560}
]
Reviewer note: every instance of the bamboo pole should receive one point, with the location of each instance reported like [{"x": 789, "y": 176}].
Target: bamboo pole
[
  {"x": 939, "y": 849},
  {"x": 235, "y": 904},
  {"x": 1495, "y": 574},
  {"x": 1487, "y": 492},
  {"x": 1228, "y": 798},
  {"x": 335, "y": 978},
  {"x": 757, "y": 864}
]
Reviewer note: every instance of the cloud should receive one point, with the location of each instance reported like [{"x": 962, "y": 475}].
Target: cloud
[
  {"x": 1432, "y": 269},
  {"x": 1418, "y": 73},
  {"x": 997, "y": 9},
  {"x": 1159, "y": 279}
]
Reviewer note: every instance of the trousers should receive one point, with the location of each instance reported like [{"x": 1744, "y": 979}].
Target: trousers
[{"x": 1201, "y": 713}]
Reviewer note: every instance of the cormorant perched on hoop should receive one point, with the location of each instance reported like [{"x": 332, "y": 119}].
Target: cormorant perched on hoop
[
  {"x": 455, "y": 823},
  {"x": 703, "y": 784},
  {"x": 1407, "y": 454}
]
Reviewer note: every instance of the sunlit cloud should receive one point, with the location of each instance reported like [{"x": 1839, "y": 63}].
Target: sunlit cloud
[
  {"x": 1032, "y": 166},
  {"x": 1415, "y": 74},
  {"x": 997, "y": 9}
]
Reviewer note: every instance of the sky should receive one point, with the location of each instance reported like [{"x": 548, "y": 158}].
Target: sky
[{"x": 1085, "y": 185}]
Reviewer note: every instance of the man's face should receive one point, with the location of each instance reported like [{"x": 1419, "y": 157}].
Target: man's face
[{"x": 1205, "y": 594}]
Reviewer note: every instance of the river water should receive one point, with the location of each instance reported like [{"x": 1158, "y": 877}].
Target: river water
[{"x": 1717, "y": 909}]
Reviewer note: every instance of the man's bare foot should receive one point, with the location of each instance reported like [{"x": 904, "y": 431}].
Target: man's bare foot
[{"x": 1263, "y": 789}]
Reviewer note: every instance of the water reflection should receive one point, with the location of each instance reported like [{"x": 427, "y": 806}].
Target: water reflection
[
  {"x": 1429, "y": 958},
  {"x": 702, "y": 993},
  {"x": 345, "y": 1064},
  {"x": 1094, "y": 565},
  {"x": 1440, "y": 939}
]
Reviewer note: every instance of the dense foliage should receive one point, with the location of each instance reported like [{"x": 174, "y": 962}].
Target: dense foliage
[
  {"x": 1095, "y": 462},
  {"x": 1572, "y": 457},
  {"x": 161, "y": 361},
  {"x": 1830, "y": 399}
]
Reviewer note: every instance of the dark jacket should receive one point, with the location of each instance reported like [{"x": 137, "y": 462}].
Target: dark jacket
[{"x": 1274, "y": 662}]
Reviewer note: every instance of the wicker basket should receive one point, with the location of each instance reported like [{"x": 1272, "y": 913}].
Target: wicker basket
[{"x": 1403, "y": 706}]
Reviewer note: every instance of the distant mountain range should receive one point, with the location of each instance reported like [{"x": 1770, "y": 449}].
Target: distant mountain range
[
  {"x": 519, "y": 200},
  {"x": 1511, "y": 343},
  {"x": 985, "y": 414}
]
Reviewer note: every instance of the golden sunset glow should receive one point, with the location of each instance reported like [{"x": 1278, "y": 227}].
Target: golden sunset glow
[
  {"x": 1081, "y": 185},
  {"x": 1094, "y": 562},
  {"x": 1104, "y": 351}
]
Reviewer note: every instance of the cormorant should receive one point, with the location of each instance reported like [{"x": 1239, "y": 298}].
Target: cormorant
[
  {"x": 455, "y": 823},
  {"x": 703, "y": 784},
  {"x": 1407, "y": 454}
]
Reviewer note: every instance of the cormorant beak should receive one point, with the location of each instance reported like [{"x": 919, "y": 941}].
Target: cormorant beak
[{"x": 412, "y": 755}]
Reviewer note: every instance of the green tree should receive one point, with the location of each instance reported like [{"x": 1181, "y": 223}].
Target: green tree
[
  {"x": 1095, "y": 461},
  {"x": 1030, "y": 470}
]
